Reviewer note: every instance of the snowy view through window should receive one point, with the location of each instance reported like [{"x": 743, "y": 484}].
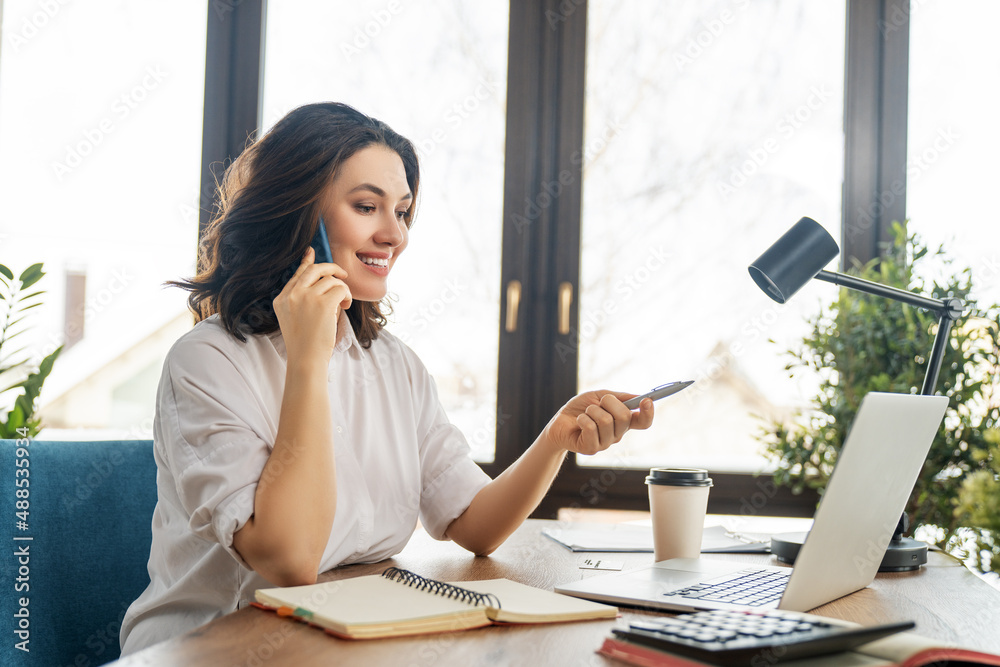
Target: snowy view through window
[{"x": 710, "y": 128}]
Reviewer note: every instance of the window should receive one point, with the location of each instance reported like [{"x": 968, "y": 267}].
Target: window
[
  {"x": 710, "y": 130},
  {"x": 546, "y": 150},
  {"x": 100, "y": 138},
  {"x": 437, "y": 75},
  {"x": 640, "y": 158},
  {"x": 953, "y": 136}
]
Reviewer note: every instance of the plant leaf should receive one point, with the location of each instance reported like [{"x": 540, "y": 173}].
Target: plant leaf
[
  {"x": 29, "y": 296},
  {"x": 7, "y": 273},
  {"x": 24, "y": 404},
  {"x": 4, "y": 369},
  {"x": 13, "y": 324},
  {"x": 7, "y": 359},
  {"x": 14, "y": 421},
  {"x": 859, "y": 344},
  {"x": 13, "y": 386},
  {"x": 45, "y": 367},
  {"x": 12, "y": 336},
  {"x": 31, "y": 275}
]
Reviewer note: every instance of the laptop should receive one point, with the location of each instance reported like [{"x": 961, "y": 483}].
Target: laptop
[{"x": 867, "y": 492}]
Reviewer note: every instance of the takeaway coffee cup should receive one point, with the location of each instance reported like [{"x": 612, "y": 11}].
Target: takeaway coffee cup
[{"x": 678, "y": 500}]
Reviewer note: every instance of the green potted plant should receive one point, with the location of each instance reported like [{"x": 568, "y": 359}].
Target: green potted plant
[
  {"x": 979, "y": 508},
  {"x": 862, "y": 343},
  {"x": 19, "y": 378}
]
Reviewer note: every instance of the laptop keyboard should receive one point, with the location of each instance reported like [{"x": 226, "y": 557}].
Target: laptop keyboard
[{"x": 752, "y": 587}]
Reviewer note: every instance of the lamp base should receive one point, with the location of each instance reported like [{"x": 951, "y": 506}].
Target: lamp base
[{"x": 902, "y": 555}]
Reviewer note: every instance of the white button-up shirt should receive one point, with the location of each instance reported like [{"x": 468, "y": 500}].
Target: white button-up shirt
[{"x": 397, "y": 458}]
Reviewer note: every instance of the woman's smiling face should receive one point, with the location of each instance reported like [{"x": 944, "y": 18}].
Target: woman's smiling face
[{"x": 365, "y": 210}]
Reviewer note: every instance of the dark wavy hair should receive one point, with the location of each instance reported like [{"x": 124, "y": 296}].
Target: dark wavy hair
[{"x": 267, "y": 214}]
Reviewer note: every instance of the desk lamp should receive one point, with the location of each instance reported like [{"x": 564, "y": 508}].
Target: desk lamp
[{"x": 796, "y": 258}]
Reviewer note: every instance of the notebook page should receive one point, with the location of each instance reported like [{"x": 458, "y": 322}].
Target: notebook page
[
  {"x": 368, "y": 600},
  {"x": 527, "y": 604}
]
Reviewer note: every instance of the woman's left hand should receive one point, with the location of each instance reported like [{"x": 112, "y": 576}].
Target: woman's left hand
[{"x": 595, "y": 420}]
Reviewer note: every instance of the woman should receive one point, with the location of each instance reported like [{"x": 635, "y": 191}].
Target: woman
[{"x": 292, "y": 433}]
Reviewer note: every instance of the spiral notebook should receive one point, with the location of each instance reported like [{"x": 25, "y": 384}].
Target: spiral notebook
[{"x": 399, "y": 602}]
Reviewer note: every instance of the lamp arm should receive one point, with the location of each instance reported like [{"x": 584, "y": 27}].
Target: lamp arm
[
  {"x": 937, "y": 355},
  {"x": 867, "y": 286},
  {"x": 948, "y": 310}
]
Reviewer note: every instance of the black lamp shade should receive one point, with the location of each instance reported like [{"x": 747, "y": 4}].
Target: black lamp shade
[{"x": 793, "y": 260}]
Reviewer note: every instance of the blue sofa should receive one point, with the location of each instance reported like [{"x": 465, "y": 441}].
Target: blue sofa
[{"x": 76, "y": 544}]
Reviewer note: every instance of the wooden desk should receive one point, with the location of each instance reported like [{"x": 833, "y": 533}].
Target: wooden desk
[{"x": 948, "y": 603}]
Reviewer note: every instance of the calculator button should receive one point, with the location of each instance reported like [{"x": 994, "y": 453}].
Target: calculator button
[
  {"x": 739, "y": 637},
  {"x": 646, "y": 625}
]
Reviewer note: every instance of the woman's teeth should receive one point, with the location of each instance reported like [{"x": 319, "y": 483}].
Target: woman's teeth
[{"x": 375, "y": 262}]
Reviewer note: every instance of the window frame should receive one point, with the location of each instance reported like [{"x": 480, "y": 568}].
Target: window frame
[
  {"x": 234, "y": 77},
  {"x": 544, "y": 127}
]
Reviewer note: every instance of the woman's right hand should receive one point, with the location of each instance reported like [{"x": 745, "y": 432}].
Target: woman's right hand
[
  {"x": 296, "y": 498},
  {"x": 308, "y": 309}
]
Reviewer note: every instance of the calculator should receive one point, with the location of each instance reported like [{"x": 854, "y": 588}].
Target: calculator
[{"x": 733, "y": 637}]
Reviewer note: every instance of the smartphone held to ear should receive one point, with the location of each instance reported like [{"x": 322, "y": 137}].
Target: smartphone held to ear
[
  {"x": 656, "y": 394},
  {"x": 321, "y": 244}
]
